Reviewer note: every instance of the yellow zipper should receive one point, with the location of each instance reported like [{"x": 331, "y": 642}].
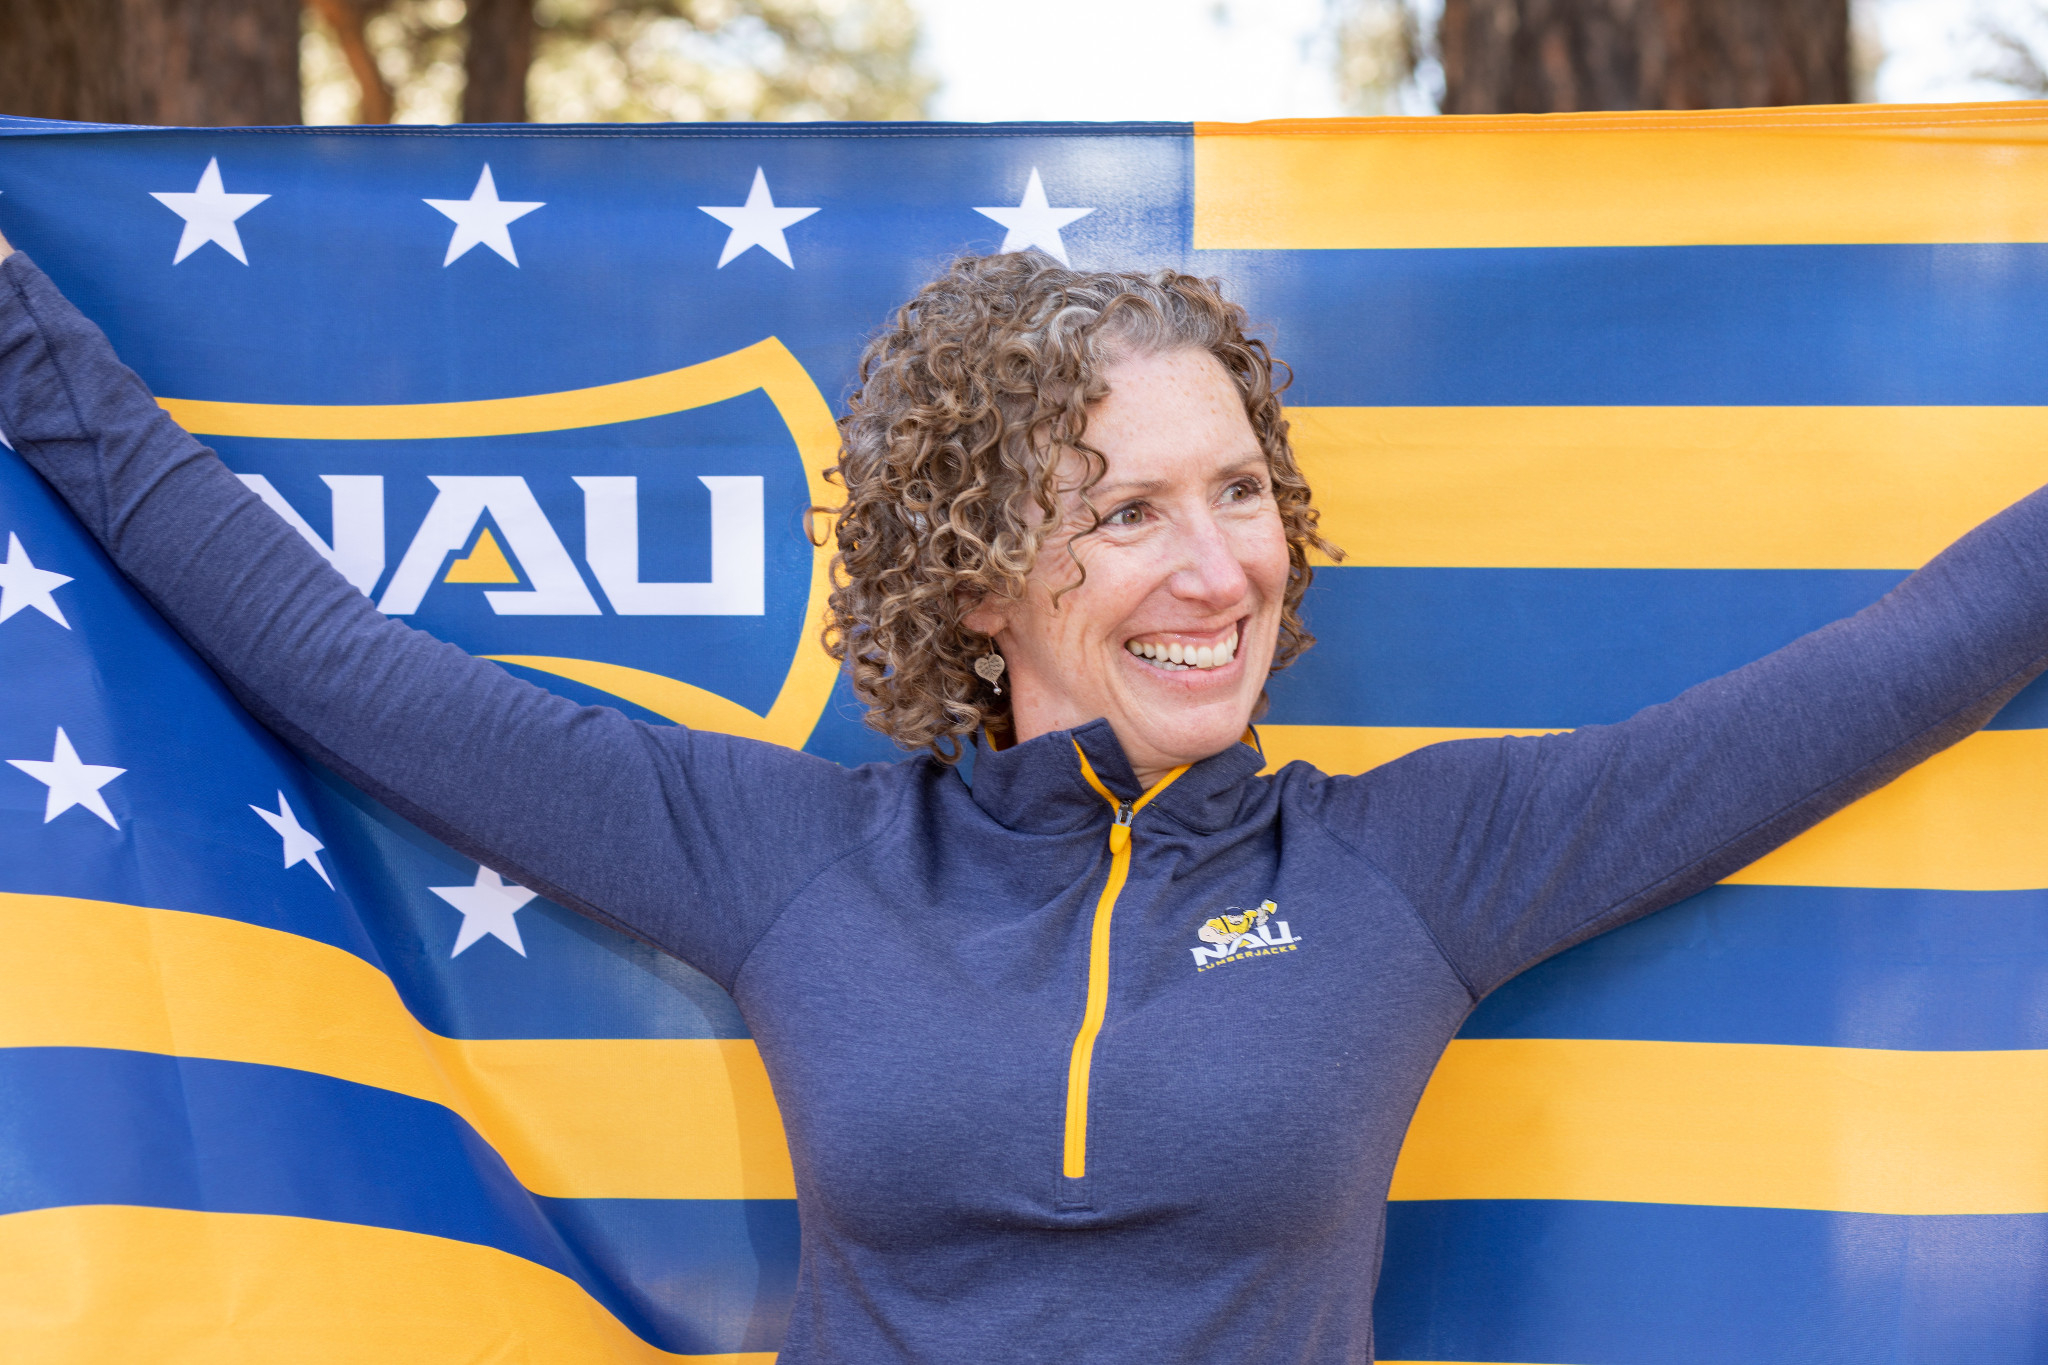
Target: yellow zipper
[{"x": 1076, "y": 1159}]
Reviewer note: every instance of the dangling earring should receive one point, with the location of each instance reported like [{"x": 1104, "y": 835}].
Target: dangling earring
[{"x": 990, "y": 667}]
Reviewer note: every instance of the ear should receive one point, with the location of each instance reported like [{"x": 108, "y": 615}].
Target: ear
[{"x": 988, "y": 617}]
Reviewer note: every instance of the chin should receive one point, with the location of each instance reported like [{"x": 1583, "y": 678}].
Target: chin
[
  {"x": 1191, "y": 738},
  {"x": 1189, "y": 716}
]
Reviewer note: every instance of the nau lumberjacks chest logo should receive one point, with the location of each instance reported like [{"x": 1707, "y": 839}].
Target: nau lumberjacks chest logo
[{"x": 1238, "y": 934}]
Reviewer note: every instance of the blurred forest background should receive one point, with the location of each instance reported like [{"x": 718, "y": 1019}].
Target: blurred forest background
[{"x": 225, "y": 62}]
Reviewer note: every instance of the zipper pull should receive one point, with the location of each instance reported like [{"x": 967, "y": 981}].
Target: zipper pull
[{"x": 1120, "y": 828}]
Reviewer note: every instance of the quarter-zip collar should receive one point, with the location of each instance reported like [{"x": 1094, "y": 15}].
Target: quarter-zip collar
[{"x": 1038, "y": 788}]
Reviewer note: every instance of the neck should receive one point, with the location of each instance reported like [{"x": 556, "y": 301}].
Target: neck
[
  {"x": 1148, "y": 778},
  {"x": 1148, "y": 767}
]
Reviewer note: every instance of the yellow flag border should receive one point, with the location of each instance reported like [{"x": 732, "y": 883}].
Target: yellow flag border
[{"x": 1822, "y": 174}]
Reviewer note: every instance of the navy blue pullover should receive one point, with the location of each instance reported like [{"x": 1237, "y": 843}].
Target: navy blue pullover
[{"x": 1207, "y": 1182}]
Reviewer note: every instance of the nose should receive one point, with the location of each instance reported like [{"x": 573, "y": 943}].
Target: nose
[{"x": 1211, "y": 572}]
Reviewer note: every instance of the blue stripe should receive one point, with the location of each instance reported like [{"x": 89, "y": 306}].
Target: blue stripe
[
  {"x": 93, "y": 1126},
  {"x": 1655, "y": 1284},
  {"x": 1819, "y": 966},
  {"x": 1792, "y": 325},
  {"x": 1552, "y": 648}
]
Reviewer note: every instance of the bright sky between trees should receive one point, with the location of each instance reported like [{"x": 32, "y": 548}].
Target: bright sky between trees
[{"x": 1232, "y": 60}]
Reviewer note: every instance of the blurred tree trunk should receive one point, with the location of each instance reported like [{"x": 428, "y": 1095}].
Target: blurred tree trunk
[
  {"x": 349, "y": 22},
  {"x": 1545, "y": 56},
  {"x": 495, "y": 65},
  {"x": 199, "y": 62}
]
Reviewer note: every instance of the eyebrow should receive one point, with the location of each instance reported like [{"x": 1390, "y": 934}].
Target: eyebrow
[{"x": 1125, "y": 488}]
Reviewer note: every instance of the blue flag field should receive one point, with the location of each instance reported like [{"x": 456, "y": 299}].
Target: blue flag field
[{"x": 1599, "y": 405}]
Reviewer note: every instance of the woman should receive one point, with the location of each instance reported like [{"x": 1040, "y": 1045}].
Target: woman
[{"x": 1036, "y": 1111}]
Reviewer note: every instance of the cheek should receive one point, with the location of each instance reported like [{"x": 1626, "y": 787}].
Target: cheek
[
  {"x": 1266, "y": 563},
  {"x": 1116, "y": 584},
  {"x": 1065, "y": 615},
  {"x": 1108, "y": 600}
]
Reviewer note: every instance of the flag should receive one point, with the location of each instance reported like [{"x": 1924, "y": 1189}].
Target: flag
[{"x": 1600, "y": 407}]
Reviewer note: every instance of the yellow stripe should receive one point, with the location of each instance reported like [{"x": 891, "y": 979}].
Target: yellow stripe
[
  {"x": 1075, "y": 1153},
  {"x": 1358, "y": 748},
  {"x": 1968, "y": 819},
  {"x": 766, "y": 365},
  {"x": 1664, "y": 487},
  {"x": 574, "y": 1118},
  {"x": 1849, "y": 1129},
  {"x": 1947, "y": 173},
  {"x": 96, "y": 1284}
]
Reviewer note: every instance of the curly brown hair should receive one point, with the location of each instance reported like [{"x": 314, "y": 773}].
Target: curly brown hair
[{"x": 951, "y": 455}]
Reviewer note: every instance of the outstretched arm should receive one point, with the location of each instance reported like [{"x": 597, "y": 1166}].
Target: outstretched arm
[
  {"x": 1512, "y": 849},
  {"x": 680, "y": 837}
]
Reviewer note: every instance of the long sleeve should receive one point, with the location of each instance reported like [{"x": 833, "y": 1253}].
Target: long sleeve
[
  {"x": 1513, "y": 849},
  {"x": 682, "y": 838}
]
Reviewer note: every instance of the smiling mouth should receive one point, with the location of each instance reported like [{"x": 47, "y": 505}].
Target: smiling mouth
[{"x": 1177, "y": 657}]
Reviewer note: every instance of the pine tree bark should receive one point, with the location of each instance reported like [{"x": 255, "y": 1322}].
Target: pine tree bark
[
  {"x": 495, "y": 65},
  {"x": 1549, "y": 56},
  {"x": 209, "y": 63}
]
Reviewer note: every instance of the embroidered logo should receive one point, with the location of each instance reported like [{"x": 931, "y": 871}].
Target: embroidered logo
[{"x": 1238, "y": 934}]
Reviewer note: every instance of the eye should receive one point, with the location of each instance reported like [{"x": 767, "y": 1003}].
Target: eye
[
  {"x": 1244, "y": 489},
  {"x": 1130, "y": 514}
]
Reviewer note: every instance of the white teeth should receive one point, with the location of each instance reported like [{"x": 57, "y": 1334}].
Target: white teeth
[{"x": 1177, "y": 658}]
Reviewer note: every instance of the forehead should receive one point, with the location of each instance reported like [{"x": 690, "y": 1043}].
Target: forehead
[{"x": 1167, "y": 415}]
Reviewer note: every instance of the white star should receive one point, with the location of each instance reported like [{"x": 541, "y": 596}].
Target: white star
[
  {"x": 209, "y": 213},
  {"x": 487, "y": 908},
  {"x": 757, "y": 223},
  {"x": 483, "y": 219},
  {"x": 71, "y": 783},
  {"x": 1035, "y": 222},
  {"x": 299, "y": 845},
  {"x": 23, "y": 585}
]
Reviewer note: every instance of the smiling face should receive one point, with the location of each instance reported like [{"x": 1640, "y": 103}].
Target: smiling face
[{"x": 1171, "y": 632}]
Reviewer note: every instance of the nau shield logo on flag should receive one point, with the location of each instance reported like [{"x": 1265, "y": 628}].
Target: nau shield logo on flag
[
  {"x": 1601, "y": 407},
  {"x": 501, "y": 540}
]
